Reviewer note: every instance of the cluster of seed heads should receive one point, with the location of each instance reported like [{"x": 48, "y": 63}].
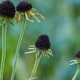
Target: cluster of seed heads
[{"x": 7, "y": 8}]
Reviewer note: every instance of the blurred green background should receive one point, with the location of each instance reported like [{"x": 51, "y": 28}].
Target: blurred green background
[{"x": 63, "y": 27}]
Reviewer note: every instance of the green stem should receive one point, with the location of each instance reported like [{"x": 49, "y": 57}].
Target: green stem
[
  {"x": 77, "y": 72},
  {"x": 38, "y": 56},
  {"x": 17, "y": 50},
  {"x": 3, "y": 50}
]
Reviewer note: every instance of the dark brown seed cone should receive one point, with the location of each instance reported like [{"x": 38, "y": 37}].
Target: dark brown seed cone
[
  {"x": 23, "y": 6},
  {"x": 77, "y": 55},
  {"x": 43, "y": 43},
  {"x": 7, "y": 9}
]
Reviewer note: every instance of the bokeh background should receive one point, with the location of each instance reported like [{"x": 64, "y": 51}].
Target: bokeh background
[{"x": 63, "y": 27}]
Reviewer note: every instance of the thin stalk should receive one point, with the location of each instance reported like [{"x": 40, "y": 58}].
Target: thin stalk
[
  {"x": 17, "y": 50},
  {"x": 3, "y": 50},
  {"x": 38, "y": 56},
  {"x": 77, "y": 72}
]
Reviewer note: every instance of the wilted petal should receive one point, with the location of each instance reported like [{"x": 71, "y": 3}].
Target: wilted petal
[{"x": 30, "y": 52}]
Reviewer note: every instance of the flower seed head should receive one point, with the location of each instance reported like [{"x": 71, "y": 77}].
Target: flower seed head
[
  {"x": 24, "y": 6},
  {"x": 7, "y": 9},
  {"x": 77, "y": 55},
  {"x": 43, "y": 42}
]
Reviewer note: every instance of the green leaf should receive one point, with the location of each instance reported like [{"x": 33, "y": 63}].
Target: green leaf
[{"x": 11, "y": 23}]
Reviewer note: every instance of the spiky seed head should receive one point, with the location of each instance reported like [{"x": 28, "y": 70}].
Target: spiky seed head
[
  {"x": 43, "y": 43},
  {"x": 77, "y": 55},
  {"x": 7, "y": 9},
  {"x": 23, "y": 6}
]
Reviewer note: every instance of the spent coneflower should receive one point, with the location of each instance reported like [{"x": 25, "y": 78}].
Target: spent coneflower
[
  {"x": 7, "y": 9},
  {"x": 7, "y": 12},
  {"x": 42, "y": 46},
  {"x": 23, "y": 9},
  {"x": 76, "y": 61}
]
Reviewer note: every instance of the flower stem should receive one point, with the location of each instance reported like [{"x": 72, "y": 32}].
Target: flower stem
[
  {"x": 17, "y": 50},
  {"x": 77, "y": 72},
  {"x": 38, "y": 56},
  {"x": 3, "y": 50}
]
